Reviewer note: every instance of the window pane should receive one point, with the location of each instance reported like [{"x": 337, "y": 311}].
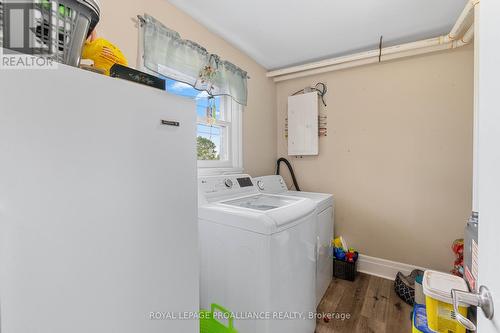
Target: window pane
[
  {"x": 210, "y": 139},
  {"x": 181, "y": 89},
  {"x": 209, "y": 142},
  {"x": 201, "y": 97}
]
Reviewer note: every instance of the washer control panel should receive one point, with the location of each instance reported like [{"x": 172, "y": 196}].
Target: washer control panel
[
  {"x": 228, "y": 182},
  {"x": 213, "y": 188},
  {"x": 271, "y": 184}
]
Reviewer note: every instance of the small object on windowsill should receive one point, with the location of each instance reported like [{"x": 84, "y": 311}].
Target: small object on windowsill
[{"x": 130, "y": 74}]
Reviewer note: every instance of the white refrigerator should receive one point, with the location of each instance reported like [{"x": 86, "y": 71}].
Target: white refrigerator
[{"x": 98, "y": 226}]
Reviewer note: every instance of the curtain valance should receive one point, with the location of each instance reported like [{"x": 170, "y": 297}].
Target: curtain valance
[{"x": 167, "y": 54}]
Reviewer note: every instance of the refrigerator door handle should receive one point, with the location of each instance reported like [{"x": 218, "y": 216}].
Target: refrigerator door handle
[{"x": 170, "y": 123}]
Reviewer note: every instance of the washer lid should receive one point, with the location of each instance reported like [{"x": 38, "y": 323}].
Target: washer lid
[
  {"x": 323, "y": 200},
  {"x": 260, "y": 213},
  {"x": 274, "y": 184},
  {"x": 261, "y": 202}
]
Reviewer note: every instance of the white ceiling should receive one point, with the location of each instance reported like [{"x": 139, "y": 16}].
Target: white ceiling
[{"x": 280, "y": 33}]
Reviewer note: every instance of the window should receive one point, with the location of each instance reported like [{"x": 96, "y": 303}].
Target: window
[{"x": 218, "y": 127}]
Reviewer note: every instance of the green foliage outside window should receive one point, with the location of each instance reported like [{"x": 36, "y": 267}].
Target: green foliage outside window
[{"x": 207, "y": 150}]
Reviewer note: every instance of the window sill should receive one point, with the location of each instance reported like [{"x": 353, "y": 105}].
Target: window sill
[{"x": 218, "y": 171}]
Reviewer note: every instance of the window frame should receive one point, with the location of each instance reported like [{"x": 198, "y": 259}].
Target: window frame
[
  {"x": 234, "y": 163},
  {"x": 233, "y": 138}
]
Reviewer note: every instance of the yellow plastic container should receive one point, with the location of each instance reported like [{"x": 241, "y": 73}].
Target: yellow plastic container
[
  {"x": 104, "y": 54},
  {"x": 437, "y": 289}
]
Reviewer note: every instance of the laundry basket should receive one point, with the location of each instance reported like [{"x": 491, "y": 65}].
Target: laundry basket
[
  {"x": 1, "y": 23},
  {"x": 59, "y": 27},
  {"x": 210, "y": 324}
]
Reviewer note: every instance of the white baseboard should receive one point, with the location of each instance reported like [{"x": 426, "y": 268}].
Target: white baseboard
[{"x": 383, "y": 268}]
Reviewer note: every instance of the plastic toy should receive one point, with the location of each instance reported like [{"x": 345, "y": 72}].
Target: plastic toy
[
  {"x": 350, "y": 256},
  {"x": 458, "y": 250},
  {"x": 339, "y": 254},
  {"x": 339, "y": 242},
  {"x": 340, "y": 251}
]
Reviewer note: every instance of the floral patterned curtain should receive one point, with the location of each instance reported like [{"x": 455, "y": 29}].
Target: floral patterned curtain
[{"x": 168, "y": 55}]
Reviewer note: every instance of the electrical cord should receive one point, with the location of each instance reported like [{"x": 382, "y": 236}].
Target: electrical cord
[
  {"x": 290, "y": 168},
  {"x": 321, "y": 91}
]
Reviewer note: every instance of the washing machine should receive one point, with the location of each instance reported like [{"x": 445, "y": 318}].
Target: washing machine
[
  {"x": 257, "y": 256},
  {"x": 324, "y": 226}
]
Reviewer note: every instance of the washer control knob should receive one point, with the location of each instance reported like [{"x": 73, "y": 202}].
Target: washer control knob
[
  {"x": 229, "y": 183},
  {"x": 260, "y": 184}
]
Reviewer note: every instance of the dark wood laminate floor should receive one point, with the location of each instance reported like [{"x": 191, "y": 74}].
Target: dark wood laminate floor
[{"x": 371, "y": 303}]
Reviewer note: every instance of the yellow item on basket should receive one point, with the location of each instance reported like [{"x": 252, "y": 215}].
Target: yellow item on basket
[
  {"x": 437, "y": 289},
  {"x": 103, "y": 53},
  {"x": 340, "y": 243}
]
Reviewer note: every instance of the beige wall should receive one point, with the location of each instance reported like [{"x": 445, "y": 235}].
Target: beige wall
[
  {"x": 398, "y": 152},
  {"x": 398, "y": 155},
  {"x": 259, "y": 120}
]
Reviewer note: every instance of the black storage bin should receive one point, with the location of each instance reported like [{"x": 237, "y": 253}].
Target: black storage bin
[{"x": 344, "y": 270}]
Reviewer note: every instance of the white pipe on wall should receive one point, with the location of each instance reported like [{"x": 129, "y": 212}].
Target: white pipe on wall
[
  {"x": 372, "y": 57},
  {"x": 363, "y": 55},
  {"x": 450, "y": 41},
  {"x": 464, "y": 21},
  {"x": 469, "y": 35}
]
